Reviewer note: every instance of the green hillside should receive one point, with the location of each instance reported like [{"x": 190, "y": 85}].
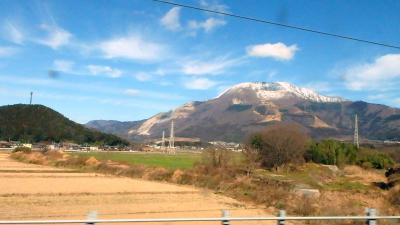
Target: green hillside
[{"x": 37, "y": 123}]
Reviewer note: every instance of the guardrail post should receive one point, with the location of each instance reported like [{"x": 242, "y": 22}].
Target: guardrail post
[
  {"x": 371, "y": 212},
  {"x": 91, "y": 216},
  {"x": 282, "y": 213},
  {"x": 225, "y": 215}
]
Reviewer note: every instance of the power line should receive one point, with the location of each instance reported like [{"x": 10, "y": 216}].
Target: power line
[{"x": 279, "y": 24}]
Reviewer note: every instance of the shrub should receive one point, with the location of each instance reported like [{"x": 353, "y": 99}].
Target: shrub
[
  {"x": 217, "y": 158},
  {"x": 278, "y": 145},
  {"x": 376, "y": 159},
  {"x": 331, "y": 152},
  {"x": 22, "y": 149}
]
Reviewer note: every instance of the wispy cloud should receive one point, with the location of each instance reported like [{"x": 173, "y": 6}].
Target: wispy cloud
[
  {"x": 94, "y": 90},
  {"x": 13, "y": 33},
  {"x": 56, "y": 36},
  {"x": 132, "y": 92},
  {"x": 104, "y": 70},
  {"x": 209, "y": 67},
  {"x": 278, "y": 51},
  {"x": 111, "y": 101},
  {"x": 69, "y": 67},
  {"x": 397, "y": 102},
  {"x": 319, "y": 86},
  {"x": 7, "y": 51},
  {"x": 199, "y": 84},
  {"x": 382, "y": 73},
  {"x": 64, "y": 66},
  {"x": 143, "y": 76},
  {"x": 171, "y": 20},
  {"x": 131, "y": 47},
  {"x": 214, "y": 5},
  {"x": 207, "y": 25}
]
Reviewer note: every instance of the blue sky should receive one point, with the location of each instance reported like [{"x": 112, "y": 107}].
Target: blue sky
[{"x": 128, "y": 60}]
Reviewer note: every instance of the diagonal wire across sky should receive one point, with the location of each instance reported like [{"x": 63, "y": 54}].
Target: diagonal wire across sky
[{"x": 288, "y": 26}]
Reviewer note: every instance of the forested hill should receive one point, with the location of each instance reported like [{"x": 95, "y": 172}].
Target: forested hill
[{"x": 37, "y": 123}]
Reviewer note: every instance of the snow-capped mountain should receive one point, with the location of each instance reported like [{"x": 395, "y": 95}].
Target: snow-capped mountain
[
  {"x": 278, "y": 90},
  {"x": 249, "y": 107}
]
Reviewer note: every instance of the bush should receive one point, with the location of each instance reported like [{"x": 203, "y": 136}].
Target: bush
[
  {"x": 22, "y": 149},
  {"x": 331, "y": 152},
  {"x": 376, "y": 159},
  {"x": 278, "y": 145},
  {"x": 217, "y": 158}
]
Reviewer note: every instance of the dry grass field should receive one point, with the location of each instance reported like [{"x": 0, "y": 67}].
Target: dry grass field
[{"x": 37, "y": 192}]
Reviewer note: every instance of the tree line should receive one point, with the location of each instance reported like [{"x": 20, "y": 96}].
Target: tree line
[{"x": 289, "y": 144}]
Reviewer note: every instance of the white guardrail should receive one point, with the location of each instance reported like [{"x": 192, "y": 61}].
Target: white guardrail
[{"x": 371, "y": 219}]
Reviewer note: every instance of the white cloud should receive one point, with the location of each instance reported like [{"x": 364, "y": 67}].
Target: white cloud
[
  {"x": 65, "y": 66},
  {"x": 382, "y": 73},
  {"x": 104, "y": 70},
  {"x": 278, "y": 51},
  {"x": 56, "y": 37},
  {"x": 165, "y": 83},
  {"x": 379, "y": 97},
  {"x": 210, "y": 67},
  {"x": 143, "y": 76},
  {"x": 7, "y": 51},
  {"x": 214, "y": 6},
  {"x": 69, "y": 67},
  {"x": 171, "y": 19},
  {"x": 131, "y": 47},
  {"x": 95, "y": 89},
  {"x": 13, "y": 33},
  {"x": 397, "y": 101},
  {"x": 207, "y": 25},
  {"x": 132, "y": 92},
  {"x": 199, "y": 84},
  {"x": 319, "y": 86}
]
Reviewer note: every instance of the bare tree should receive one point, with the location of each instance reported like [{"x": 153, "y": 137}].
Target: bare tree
[{"x": 278, "y": 145}]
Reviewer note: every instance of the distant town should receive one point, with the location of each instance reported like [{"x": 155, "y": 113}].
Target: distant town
[{"x": 182, "y": 144}]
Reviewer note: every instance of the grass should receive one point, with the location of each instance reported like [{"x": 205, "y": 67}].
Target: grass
[
  {"x": 177, "y": 161},
  {"x": 344, "y": 185}
]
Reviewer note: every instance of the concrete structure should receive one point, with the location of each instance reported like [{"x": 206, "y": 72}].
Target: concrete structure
[
  {"x": 356, "y": 140},
  {"x": 171, "y": 146}
]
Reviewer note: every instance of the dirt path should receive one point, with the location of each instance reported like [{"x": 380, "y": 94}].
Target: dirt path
[{"x": 39, "y": 192}]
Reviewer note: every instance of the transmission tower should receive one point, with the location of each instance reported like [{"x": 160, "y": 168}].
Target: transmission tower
[
  {"x": 171, "y": 145},
  {"x": 163, "y": 141},
  {"x": 356, "y": 140},
  {"x": 30, "y": 101}
]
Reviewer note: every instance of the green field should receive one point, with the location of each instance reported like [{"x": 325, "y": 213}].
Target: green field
[{"x": 177, "y": 161}]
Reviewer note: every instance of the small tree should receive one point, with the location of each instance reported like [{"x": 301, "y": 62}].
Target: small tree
[
  {"x": 217, "y": 158},
  {"x": 251, "y": 156},
  {"x": 279, "y": 144}
]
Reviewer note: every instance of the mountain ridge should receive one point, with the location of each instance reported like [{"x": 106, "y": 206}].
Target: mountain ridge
[
  {"x": 36, "y": 123},
  {"x": 251, "y": 106}
]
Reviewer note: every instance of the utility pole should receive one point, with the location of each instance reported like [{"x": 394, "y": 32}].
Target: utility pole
[
  {"x": 30, "y": 102},
  {"x": 356, "y": 140}
]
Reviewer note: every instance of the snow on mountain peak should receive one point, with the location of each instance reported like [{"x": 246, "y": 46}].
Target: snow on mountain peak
[{"x": 277, "y": 90}]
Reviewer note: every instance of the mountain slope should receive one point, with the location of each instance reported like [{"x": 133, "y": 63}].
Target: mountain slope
[
  {"x": 249, "y": 107},
  {"x": 114, "y": 127},
  {"x": 39, "y": 123}
]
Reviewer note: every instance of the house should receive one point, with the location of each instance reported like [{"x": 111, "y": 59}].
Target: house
[
  {"x": 93, "y": 148},
  {"x": 6, "y": 144},
  {"x": 27, "y": 145}
]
